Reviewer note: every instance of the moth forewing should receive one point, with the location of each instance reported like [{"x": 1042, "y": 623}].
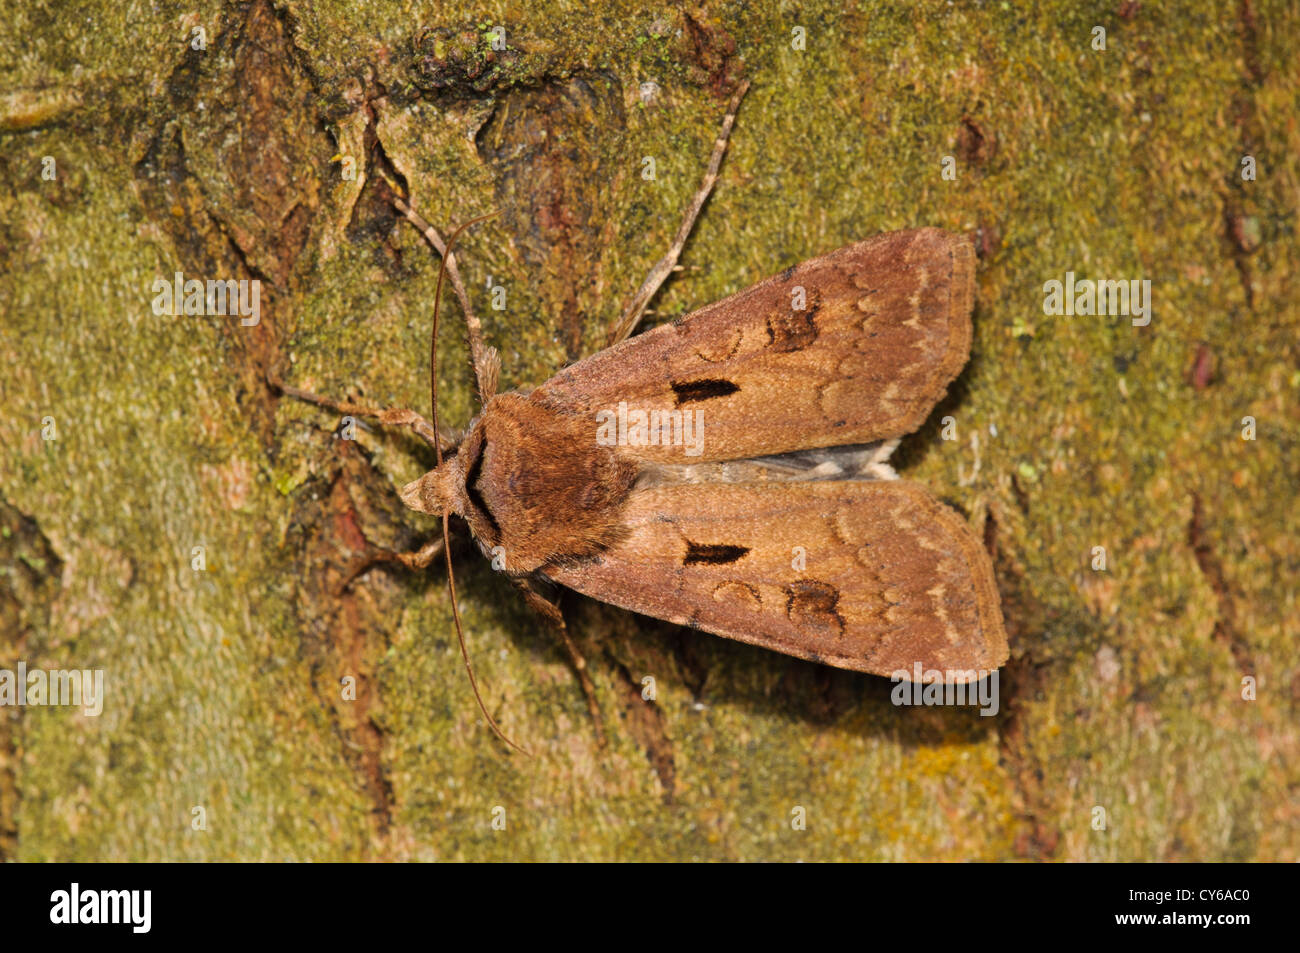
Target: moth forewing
[
  {"x": 852, "y": 347},
  {"x": 874, "y": 576}
]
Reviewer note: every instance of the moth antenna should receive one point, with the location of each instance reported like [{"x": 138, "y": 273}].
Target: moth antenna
[
  {"x": 433, "y": 337},
  {"x": 446, "y": 513},
  {"x": 464, "y": 651}
]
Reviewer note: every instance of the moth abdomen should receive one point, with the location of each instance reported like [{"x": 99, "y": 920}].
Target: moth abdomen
[{"x": 854, "y": 462}]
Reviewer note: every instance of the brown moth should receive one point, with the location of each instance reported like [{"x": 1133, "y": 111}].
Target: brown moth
[
  {"x": 798, "y": 411},
  {"x": 728, "y": 471}
]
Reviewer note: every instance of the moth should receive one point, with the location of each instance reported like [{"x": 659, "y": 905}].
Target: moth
[{"x": 729, "y": 471}]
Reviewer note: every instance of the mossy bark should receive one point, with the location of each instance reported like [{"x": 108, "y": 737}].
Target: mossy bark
[{"x": 132, "y": 438}]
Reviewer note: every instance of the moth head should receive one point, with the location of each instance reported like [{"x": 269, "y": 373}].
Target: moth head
[
  {"x": 442, "y": 488},
  {"x": 445, "y": 486}
]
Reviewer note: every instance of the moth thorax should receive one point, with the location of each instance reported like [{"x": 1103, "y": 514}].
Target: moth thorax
[{"x": 437, "y": 490}]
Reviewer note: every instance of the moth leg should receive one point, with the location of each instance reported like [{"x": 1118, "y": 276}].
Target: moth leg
[
  {"x": 417, "y": 559},
  {"x": 584, "y": 679},
  {"x": 487, "y": 362},
  {"x": 550, "y": 609},
  {"x": 392, "y": 417},
  {"x": 664, "y": 267}
]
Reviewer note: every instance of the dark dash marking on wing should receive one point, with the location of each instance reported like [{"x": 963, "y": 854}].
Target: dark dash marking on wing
[
  {"x": 712, "y": 554},
  {"x": 688, "y": 391}
]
